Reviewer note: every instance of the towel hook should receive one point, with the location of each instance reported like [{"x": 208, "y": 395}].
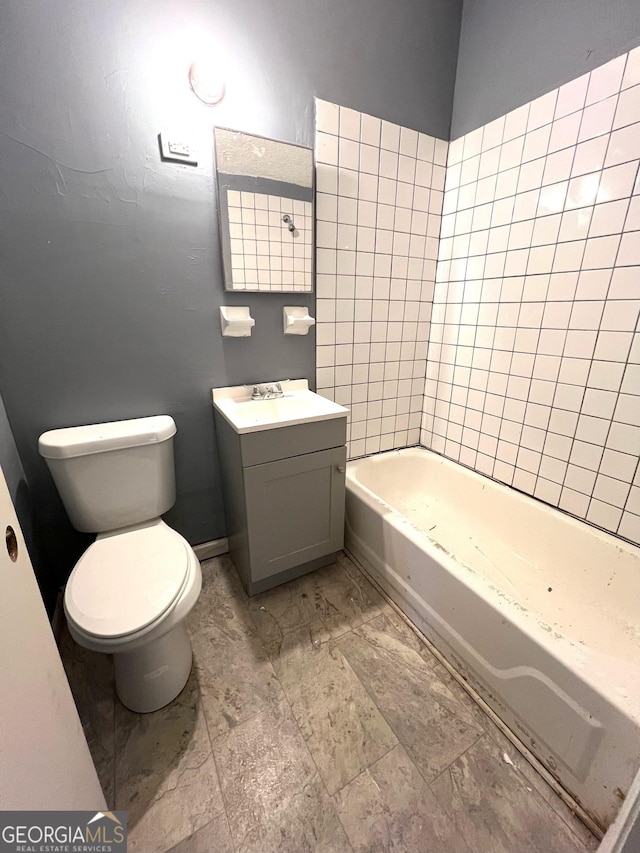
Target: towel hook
[{"x": 288, "y": 221}]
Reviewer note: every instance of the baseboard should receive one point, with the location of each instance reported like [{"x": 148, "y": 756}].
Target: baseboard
[{"x": 211, "y": 549}]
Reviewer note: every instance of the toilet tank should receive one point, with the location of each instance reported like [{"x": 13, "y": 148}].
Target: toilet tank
[{"x": 115, "y": 474}]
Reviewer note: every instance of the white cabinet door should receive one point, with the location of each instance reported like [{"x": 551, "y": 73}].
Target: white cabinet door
[{"x": 44, "y": 759}]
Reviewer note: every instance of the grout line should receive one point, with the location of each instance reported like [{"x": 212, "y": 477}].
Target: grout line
[{"x": 483, "y": 735}]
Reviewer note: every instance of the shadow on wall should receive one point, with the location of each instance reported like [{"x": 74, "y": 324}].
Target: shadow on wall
[
  {"x": 32, "y": 532},
  {"x": 56, "y": 545}
]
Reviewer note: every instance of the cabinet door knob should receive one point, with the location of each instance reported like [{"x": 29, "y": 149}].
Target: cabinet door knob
[{"x": 341, "y": 469}]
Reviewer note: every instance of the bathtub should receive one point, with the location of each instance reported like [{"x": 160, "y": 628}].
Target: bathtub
[{"x": 539, "y": 612}]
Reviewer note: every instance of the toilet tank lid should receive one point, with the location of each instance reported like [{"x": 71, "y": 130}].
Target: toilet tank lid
[{"x": 100, "y": 438}]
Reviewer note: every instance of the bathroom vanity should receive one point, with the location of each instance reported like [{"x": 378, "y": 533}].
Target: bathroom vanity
[{"x": 282, "y": 457}]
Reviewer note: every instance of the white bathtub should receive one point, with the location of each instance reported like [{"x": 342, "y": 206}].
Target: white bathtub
[{"x": 538, "y": 611}]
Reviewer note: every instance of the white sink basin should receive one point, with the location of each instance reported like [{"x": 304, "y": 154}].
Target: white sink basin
[{"x": 298, "y": 405}]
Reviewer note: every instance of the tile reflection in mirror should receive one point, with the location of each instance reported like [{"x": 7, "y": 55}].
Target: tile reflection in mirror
[{"x": 265, "y": 199}]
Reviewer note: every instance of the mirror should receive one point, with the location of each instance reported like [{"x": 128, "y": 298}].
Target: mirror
[{"x": 265, "y": 198}]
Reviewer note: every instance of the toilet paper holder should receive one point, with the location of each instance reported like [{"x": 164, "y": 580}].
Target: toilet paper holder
[
  {"x": 236, "y": 321},
  {"x": 296, "y": 320}
]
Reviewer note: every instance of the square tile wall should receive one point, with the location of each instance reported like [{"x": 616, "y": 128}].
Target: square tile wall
[
  {"x": 379, "y": 192},
  {"x": 533, "y": 370},
  {"x": 264, "y": 253}
]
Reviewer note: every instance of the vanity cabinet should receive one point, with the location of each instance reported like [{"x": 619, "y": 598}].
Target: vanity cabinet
[{"x": 284, "y": 493}]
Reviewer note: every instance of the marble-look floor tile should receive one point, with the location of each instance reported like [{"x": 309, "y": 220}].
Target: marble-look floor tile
[
  {"x": 220, "y": 580},
  {"x": 165, "y": 772},
  {"x": 530, "y": 777},
  {"x": 399, "y": 628},
  {"x": 390, "y": 809},
  {"x": 212, "y": 838},
  {"x": 90, "y": 676},
  {"x": 312, "y": 635},
  {"x": 344, "y": 730},
  {"x": 425, "y": 716},
  {"x": 496, "y": 810},
  {"x": 235, "y": 675},
  {"x": 275, "y": 799},
  {"x": 347, "y": 661},
  {"x": 410, "y": 636},
  {"x": 329, "y": 595}
]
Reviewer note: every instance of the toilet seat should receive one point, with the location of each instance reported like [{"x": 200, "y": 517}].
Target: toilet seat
[{"x": 127, "y": 580}]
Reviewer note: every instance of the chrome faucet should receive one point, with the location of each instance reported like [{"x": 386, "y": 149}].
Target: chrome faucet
[
  {"x": 274, "y": 390},
  {"x": 267, "y": 392}
]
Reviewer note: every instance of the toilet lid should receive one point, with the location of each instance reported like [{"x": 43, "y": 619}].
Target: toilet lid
[{"x": 127, "y": 580}]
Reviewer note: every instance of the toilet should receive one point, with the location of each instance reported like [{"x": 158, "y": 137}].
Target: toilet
[{"x": 129, "y": 593}]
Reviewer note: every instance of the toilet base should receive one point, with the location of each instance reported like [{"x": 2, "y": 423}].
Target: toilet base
[{"x": 150, "y": 676}]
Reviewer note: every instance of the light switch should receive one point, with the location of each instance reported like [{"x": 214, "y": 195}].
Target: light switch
[{"x": 176, "y": 149}]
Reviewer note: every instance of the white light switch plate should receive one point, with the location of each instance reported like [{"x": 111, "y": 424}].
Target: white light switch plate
[{"x": 177, "y": 149}]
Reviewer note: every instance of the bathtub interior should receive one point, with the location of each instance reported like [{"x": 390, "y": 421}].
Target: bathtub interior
[{"x": 516, "y": 544}]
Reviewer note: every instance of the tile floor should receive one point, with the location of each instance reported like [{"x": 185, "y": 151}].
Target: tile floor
[{"x": 314, "y": 720}]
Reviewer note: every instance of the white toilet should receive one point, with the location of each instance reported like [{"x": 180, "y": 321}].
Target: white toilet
[{"x": 131, "y": 590}]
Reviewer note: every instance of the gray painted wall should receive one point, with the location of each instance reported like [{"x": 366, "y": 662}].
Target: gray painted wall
[
  {"x": 512, "y": 51},
  {"x": 110, "y": 272}
]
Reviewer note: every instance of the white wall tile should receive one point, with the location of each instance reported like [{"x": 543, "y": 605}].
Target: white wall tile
[
  {"x": 589, "y": 155},
  {"x": 608, "y": 218},
  {"x": 629, "y": 254},
  {"x": 628, "y": 109},
  {"x": 629, "y": 526},
  {"x": 378, "y": 222},
  {"x": 623, "y": 145},
  {"x": 571, "y": 96},
  {"x": 632, "y": 69},
  {"x": 535, "y": 302},
  {"x": 349, "y": 124},
  {"x": 604, "y": 515},
  {"x": 541, "y": 111},
  {"x": 539, "y": 271},
  {"x": 597, "y": 119},
  {"x": 617, "y": 182},
  {"x": 606, "y": 80},
  {"x": 327, "y": 117},
  {"x": 564, "y": 132}
]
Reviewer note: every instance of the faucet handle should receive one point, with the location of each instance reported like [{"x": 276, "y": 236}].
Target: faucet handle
[
  {"x": 278, "y": 390},
  {"x": 255, "y": 394}
]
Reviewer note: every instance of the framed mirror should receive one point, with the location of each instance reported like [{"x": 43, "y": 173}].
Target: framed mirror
[{"x": 265, "y": 199}]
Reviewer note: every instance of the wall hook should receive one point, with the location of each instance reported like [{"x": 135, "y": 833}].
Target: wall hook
[{"x": 288, "y": 221}]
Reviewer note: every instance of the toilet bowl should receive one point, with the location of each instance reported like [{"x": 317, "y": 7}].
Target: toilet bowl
[
  {"x": 130, "y": 592},
  {"x": 128, "y": 596}
]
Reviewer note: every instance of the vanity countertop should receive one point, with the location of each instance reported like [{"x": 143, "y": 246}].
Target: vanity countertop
[{"x": 297, "y": 405}]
